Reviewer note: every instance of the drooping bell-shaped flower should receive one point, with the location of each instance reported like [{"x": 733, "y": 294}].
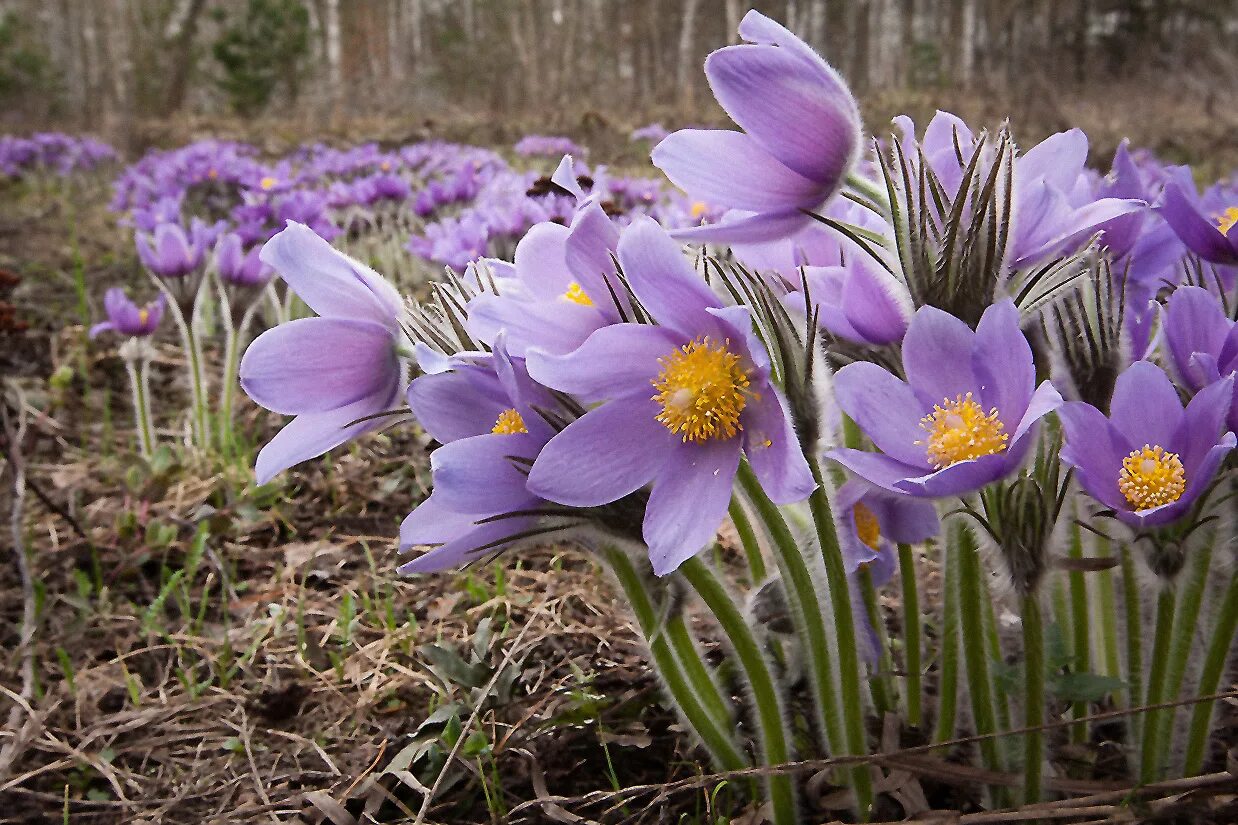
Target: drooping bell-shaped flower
[
  {"x": 124, "y": 317},
  {"x": 334, "y": 372},
  {"x": 1150, "y": 460},
  {"x": 965, "y": 417},
  {"x": 680, "y": 403},
  {"x": 800, "y": 138}
]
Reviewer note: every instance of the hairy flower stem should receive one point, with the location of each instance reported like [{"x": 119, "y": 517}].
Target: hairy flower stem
[
  {"x": 1134, "y": 638},
  {"x": 879, "y": 685},
  {"x": 200, "y": 414},
  {"x": 1034, "y": 696},
  {"x": 1186, "y": 618},
  {"x": 697, "y": 673},
  {"x": 911, "y": 634},
  {"x": 1151, "y": 751},
  {"x": 771, "y": 721},
  {"x": 1080, "y": 625},
  {"x": 1105, "y": 612},
  {"x": 801, "y": 594},
  {"x": 718, "y": 740},
  {"x": 1210, "y": 678},
  {"x": 948, "y": 656},
  {"x": 748, "y": 540},
  {"x": 845, "y": 632},
  {"x": 139, "y": 381},
  {"x": 976, "y": 655}
]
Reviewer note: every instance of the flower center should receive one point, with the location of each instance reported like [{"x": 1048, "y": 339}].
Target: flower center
[
  {"x": 702, "y": 389},
  {"x": 960, "y": 430},
  {"x": 866, "y": 526},
  {"x": 699, "y": 208},
  {"x": 577, "y": 295},
  {"x": 1227, "y": 220},
  {"x": 509, "y": 422},
  {"x": 1152, "y": 477},
  {"x": 143, "y": 316},
  {"x": 267, "y": 183}
]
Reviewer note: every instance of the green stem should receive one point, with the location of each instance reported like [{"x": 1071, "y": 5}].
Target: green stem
[
  {"x": 805, "y": 605},
  {"x": 911, "y": 633},
  {"x": 1152, "y": 753},
  {"x": 1079, "y": 624},
  {"x": 718, "y": 740},
  {"x": 1210, "y": 678},
  {"x": 845, "y": 632},
  {"x": 1134, "y": 639},
  {"x": 1105, "y": 612},
  {"x": 774, "y": 736},
  {"x": 140, "y": 384},
  {"x": 1034, "y": 696},
  {"x": 1186, "y": 619},
  {"x": 976, "y": 656},
  {"x": 193, "y": 354},
  {"x": 748, "y": 540},
  {"x": 697, "y": 672},
  {"x": 879, "y": 682},
  {"x": 989, "y": 614},
  {"x": 948, "y": 657}
]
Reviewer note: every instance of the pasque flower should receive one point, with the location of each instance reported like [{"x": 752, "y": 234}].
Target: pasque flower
[
  {"x": 965, "y": 417},
  {"x": 859, "y": 302},
  {"x": 483, "y": 408},
  {"x": 800, "y": 138},
  {"x": 124, "y": 317},
  {"x": 872, "y": 520},
  {"x": 238, "y": 267},
  {"x": 1208, "y": 225},
  {"x": 331, "y": 371},
  {"x": 1202, "y": 340},
  {"x": 680, "y": 402},
  {"x": 1149, "y": 460},
  {"x": 171, "y": 252}
]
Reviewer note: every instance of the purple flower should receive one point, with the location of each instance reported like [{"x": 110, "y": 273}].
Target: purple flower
[
  {"x": 680, "y": 402},
  {"x": 871, "y": 520},
  {"x": 1202, "y": 340},
  {"x": 483, "y": 409},
  {"x": 859, "y": 302},
  {"x": 801, "y": 136},
  {"x": 1150, "y": 460},
  {"x": 966, "y": 415},
  {"x": 1206, "y": 225},
  {"x": 330, "y": 371},
  {"x": 171, "y": 252},
  {"x": 127, "y": 318},
  {"x": 238, "y": 267}
]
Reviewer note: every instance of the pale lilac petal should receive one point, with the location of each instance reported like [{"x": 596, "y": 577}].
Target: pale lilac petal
[
  {"x": 1203, "y": 422},
  {"x": 614, "y": 362},
  {"x": 870, "y": 306},
  {"x": 1044, "y": 400},
  {"x": 773, "y": 449},
  {"x": 1002, "y": 362},
  {"x": 875, "y": 468},
  {"x": 962, "y": 477},
  {"x": 937, "y": 355},
  {"x": 1095, "y": 449},
  {"x": 433, "y": 523},
  {"x": 1200, "y": 234},
  {"x": 664, "y": 280},
  {"x": 770, "y": 226},
  {"x": 1194, "y": 323},
  {"x": 463, "y": 549},
  {"x": 457, "y": 404},
  {"x": 591, "y": 243},
  {"x": 328, "y": 281},
  {"x": 1059, "y": 159},
  {"x": 316, "y": 364},
  {"x": 603, "y": 456},
  {"x": 555, "y": 327},
  {"x": 732, "y": 169},
  {"x": 477, "y": 475},
  {"x": 541, "y": 261},
  {"x": 689, "y": 501},
  {"x": 1145, "y": 406},
  {"x": 886, "y": 409}
]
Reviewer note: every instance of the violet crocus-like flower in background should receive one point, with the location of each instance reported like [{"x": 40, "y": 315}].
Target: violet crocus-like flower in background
[
  {"x": 800, "y": 138},
  {"x": 483, "y": 409},
  {"x": 331, "y": 371},
  {"x": 873, "y": 520},
  {"x": 170, "y": 251},
  {"x": 681, "y": 402},
  {"x": 965, "y": 417},
  {"x": 858, "y": 302},
  {"x": 1149, "y": 461},
  {"x": 1208, "y": 225},
  {"x": 237, "y": 266},
  {"x": 124, "y": 317},
  {"x": 1202, "y": 340}
]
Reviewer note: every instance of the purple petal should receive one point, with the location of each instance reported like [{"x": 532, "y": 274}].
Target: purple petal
[
  {"x": 875, "y": 468},
  {"x": 774, "y": 451},
  {"x": 1145, "y": 406},
  {"x": 1194, "y": 323},
  {"x": 886, "y": 409},
  {"x": 316, "y": 364},
  {"x": 689, "y": 501},
  {"x": 937, "y": 355},
  {"x": 461, "y": 550},
  {"x": 328, "y": 281},
  {"x": 870, "y": 306},
  {"x": 1002, "y": 362},
  {"x": 433, "y": 523},
  {"x": 663, "y": 279},
  {"x": 1059, "y": 159},
  {"x": 556, "y": 327},
  {"x": 732, "y": 169},
  {"x": 614, "y": 362},
  {"x": 457, "y": 404},
  {"x": 1196, "y": 231},
  {"x": 541, "y": 261},
  {"x": 1202, "y": 422},
  {"x": 603, "y": 456},
  {"x": 592, "y": 240},
  {"x": 770, "y": 226},
  {"x": 962, "y": 477},
  {"x": 1095, "y": 449},
  {"x": 1045, "y": 400},
  {"x": 476, "y": 475}
]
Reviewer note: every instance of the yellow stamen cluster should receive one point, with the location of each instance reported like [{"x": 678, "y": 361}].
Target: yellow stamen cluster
[
  {"x": 699, "y": 208},
  {"x": 577, "y": 295},
  {"x": 1227, "y": 220},
  {"x": 866, "y": 526},
  {"x": 960, "y": 430},
  {"x": 143, "y": 316},
  {"x": 509, "y": 422},
  {"x": 703, "y": 388},
  {"x": 1152, "y": 477},
  {"x": 267, "y": 183}
]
